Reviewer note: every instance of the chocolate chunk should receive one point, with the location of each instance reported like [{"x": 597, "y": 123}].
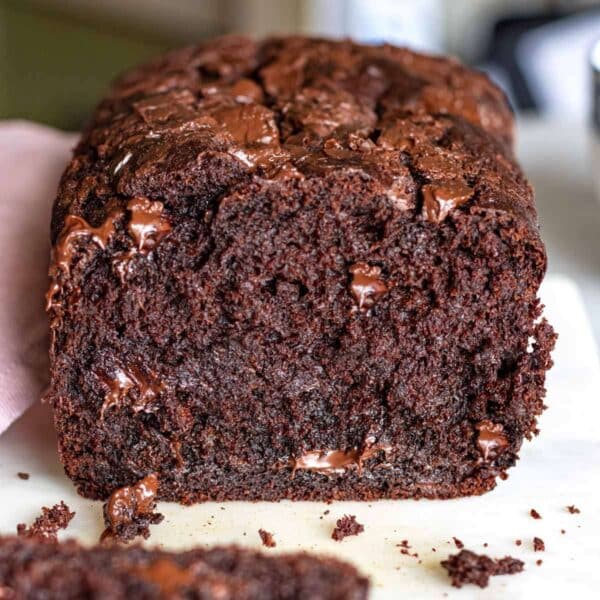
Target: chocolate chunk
[
  {"x": 267, "y": 538},
  {"x": 123, "y": 381},
  {"x": 440, "y": 199},
  {"x": 491, "y": 440},
  {"x": 76, "y": 230},
  {"x": 468, "y": 567},
  {"x": 130, "y": 510},
  {"x": 346, "y": 526},
  {"x": 367, "y": 287},
  {"x": 329, "y": 462},
  {"x": 147, "y": 224},
  {"x": 45, "y": 527}
]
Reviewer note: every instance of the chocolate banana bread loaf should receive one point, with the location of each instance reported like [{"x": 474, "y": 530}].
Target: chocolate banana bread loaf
[
  {"x": 296, "y": 268},
  {"x": 31, "y": 569}
]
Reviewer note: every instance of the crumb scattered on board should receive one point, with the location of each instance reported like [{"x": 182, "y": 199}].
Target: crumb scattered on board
[
  {"x": 405, "y": 549},
  {"x": 539, "y": 562},
  {"x": 518, "y": 542},
  {"x": 45, "y": 527},
  {"x": 346, "y": 526},
  {"x": 535, "y": 514},
  {"x": 573, "y": 509},
  {"x": 458, "y": 543},
  {"x": 267, "y": 538},
  {"x": 468, "y": 567},
  {"x": 23, "y": 476},
  {"x": 538, "y": 544}
]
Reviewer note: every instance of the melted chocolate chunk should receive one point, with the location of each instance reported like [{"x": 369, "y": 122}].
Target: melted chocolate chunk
[
  {"x": 440, "y": 199},
  {"x": 130, "y": 510},
  {"x": 366, "y": 286},
  {"x": 346, "y": 526},
  {"x": 491, "y": 441},
  {"x": 147, "y": 225},
  {"x": 76, "y": 230},
  {"x": 123, "y": 381},
  {"x": 330, "y": 462},
  {"x": 46, "y": 526},
  {"x": 468, "y": 567}
]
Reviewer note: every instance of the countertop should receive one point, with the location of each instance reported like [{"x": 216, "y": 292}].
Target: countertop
[{"x": 557, "y": 159}]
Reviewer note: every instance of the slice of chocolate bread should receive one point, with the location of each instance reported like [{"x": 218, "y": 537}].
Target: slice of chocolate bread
[
  {"x": 30, "y": 569},
  {"x": 296, "y": 269}
]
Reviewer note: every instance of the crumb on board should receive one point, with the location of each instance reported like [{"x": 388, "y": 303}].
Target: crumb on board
[
  {"x": 535, "y": 514},
  {"x": 346, "y": 526},
  {"x": 468, "y": 567},
  {"x": 538, "y": 545},
  {"x": 267, "y": 538},
  {"x": 45, "y": 527}
]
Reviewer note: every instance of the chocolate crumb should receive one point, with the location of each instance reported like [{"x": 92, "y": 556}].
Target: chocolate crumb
[
  {"x": 538, "y": 544},
  {"x": 468, "y": 567},
  {"x": 45, "y": 527},
  {"x": 267, "y": 538},
  {"x": 25, "y": 476},
  {"x": 535, "y": 514},
  {"x": 538, "y": 562},
  {"x": 573, "y": 509},
  {"x": 563, "y": 531},
  {"x": 346, "y": 526},
  {"x": 129, "y": 511},
  {"x": 405, "y": 549},
  {"x": 485, "y": 544},
  {"x": 458, "y": 543},
  {"x": 518, "y": 542}
]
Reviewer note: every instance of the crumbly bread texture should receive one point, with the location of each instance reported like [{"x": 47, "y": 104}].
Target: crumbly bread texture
[
  {"x": 468, "y": 567},
  {"x": 30, "y": 569},
  {"x": 296, "y": 268}
]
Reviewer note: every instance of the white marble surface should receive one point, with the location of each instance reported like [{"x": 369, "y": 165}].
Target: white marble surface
[
  {"x": 558, "y": 158},
  {"x": 559, "y": 468}
]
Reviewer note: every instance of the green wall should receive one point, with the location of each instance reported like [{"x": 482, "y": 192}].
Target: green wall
[{"x": 54, "y": 67}]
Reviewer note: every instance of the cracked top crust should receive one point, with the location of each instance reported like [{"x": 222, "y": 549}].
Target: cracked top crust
[{"x": 201, "y": 122}]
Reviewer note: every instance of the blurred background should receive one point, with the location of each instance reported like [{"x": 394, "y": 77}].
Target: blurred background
[{"x": 56, "y": 56}]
